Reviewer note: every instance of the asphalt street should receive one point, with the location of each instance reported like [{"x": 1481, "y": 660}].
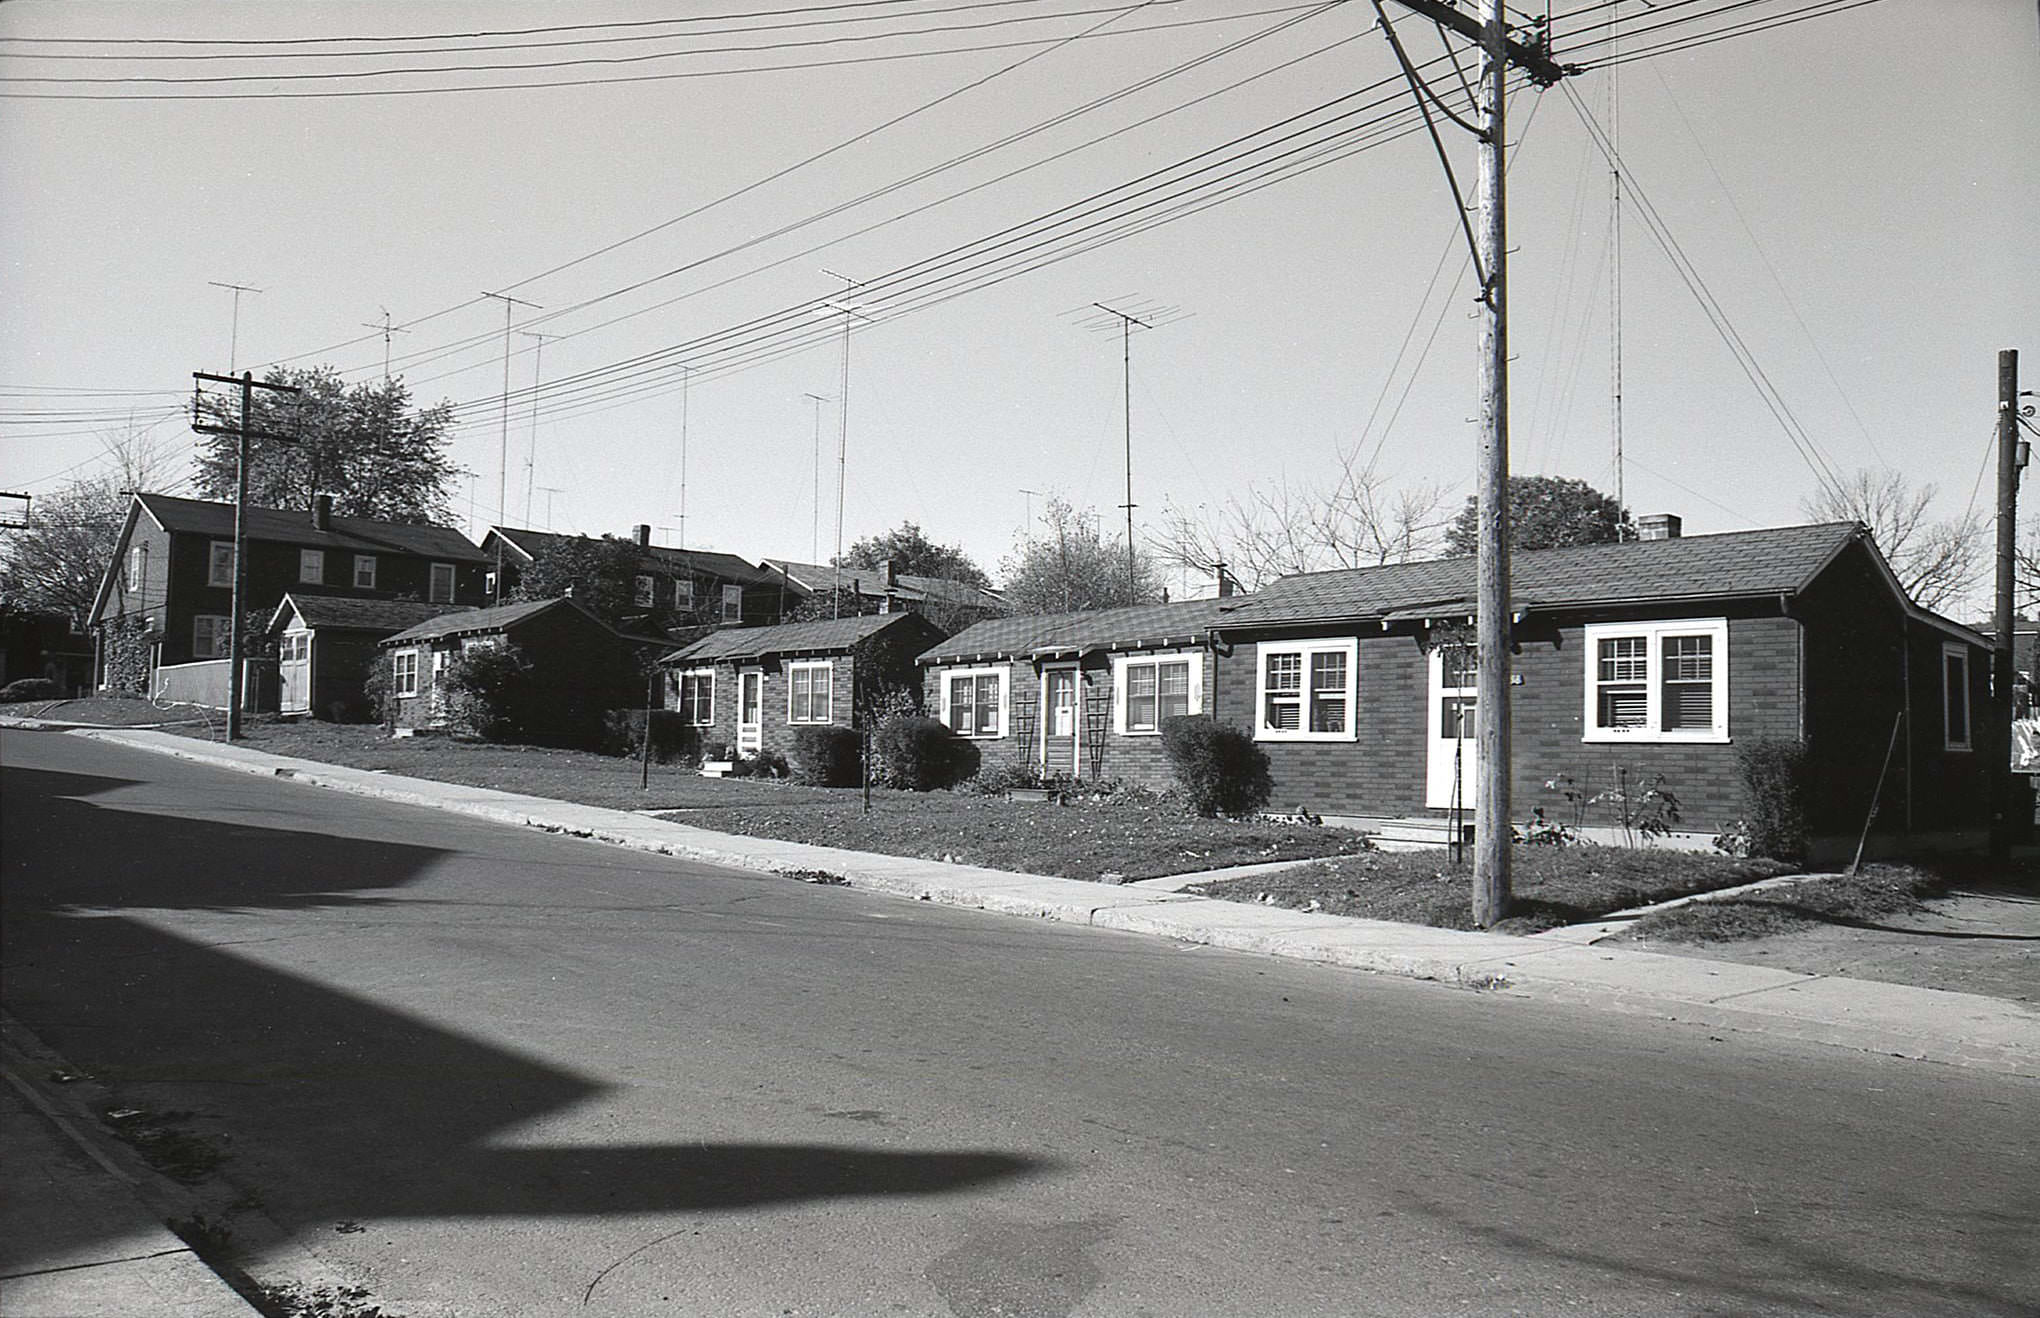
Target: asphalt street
[{"x": 488, "y": 1071}]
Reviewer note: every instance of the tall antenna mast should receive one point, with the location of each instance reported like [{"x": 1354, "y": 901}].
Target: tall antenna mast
[
  {"x": 503, "y": 459},
  {"x": 1615, "y": 254},
  {"x": 537, "y": 377},
  {"x": 850, "y": 312},
  {"x": 1124, "y": 318},
  {"x": 815, "y": 539},
  {"x": 686, "y": 375},
  {"x": 234, "y": 341},
  {"x": 387, "y": 330}
]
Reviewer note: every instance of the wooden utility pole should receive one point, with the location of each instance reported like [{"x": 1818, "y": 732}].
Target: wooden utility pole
[
  {"x": 1499, "y": 50},
  {"x": 2010, "y": 463},
  {"x": 242, "y": 434}
]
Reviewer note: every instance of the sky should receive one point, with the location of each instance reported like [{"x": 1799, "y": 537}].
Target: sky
[{"x": 1853, "y": 193}]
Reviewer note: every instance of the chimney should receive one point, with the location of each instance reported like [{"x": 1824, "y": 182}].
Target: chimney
[
  {"x": 888, "y": 578},
  {"x": 1658, "y": 526},
  {"x": 322, "y": 512},
  {"x": 644, "y": 535},
  {"x": 1227, "y": 587}
]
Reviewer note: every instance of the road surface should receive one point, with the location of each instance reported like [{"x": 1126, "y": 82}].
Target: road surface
[{"x": 490, "y": 1071}]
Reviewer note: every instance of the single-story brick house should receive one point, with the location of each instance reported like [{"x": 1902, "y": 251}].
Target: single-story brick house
[
  {"x": 753, "y": 688},
  {"x": 326, "y": 645},
  {"x": 579, "y": 666},
  {"x": 1081, "y": 695},
  {"x": 1630, "y": 660}
]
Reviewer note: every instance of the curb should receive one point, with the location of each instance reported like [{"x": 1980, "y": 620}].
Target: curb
[{"x": 1958, "y": 1029}]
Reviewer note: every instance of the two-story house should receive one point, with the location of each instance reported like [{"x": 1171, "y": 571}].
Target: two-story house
[
  {"x": 677, "y": 591},
  {"x": 167, "y": 597}
]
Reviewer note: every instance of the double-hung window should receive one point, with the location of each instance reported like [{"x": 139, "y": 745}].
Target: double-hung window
[
  {"x": 440, "y": 590},
  {"x": 364, "y": 571},
  {"x": 1305, "y": 690},
  {"x": 311, "y": 567},
  {"x": 209, "y": 636},
  {"x": 1956, "y": 734},
  {"x": 807, "y": 692},
  {"x": 973, "y": 702},
  {"x": 683, "y": 594},
  {"x": 404, "y": 672},
  {"x": 696, "y": 697},
  {"x": 219, "y": 570},
  {"x": 1657, "y": 681},
  {"x": 645, "y": 592},
  {"x": 732, "y": 603},
  {"x": 1152, "y": 688},
  {"x": 137, "y": 567}
]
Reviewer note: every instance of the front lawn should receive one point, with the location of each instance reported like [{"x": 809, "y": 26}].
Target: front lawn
[
  {"x": 110, "y": 711},
  {"x": 1876, "y": 893},
  {"x": 1552, "y": 886}
]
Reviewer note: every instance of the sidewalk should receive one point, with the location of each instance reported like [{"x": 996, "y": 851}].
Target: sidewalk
[
  {"x": 76, "y": 1240},
  {"x": 1927, "y": 1024}
]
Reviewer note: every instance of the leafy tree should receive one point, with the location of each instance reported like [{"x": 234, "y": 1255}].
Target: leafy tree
[
  {"x": 1936, "y": 561},
  {"x": 836, "y": 602},
  {"x": 55, "y": 563},
  {"x": 601, "y": 574},
  {"x": 361, "y": 443},
  {"x": 912, "y": 552},
  {"x": 1547, "y": 512},
  {"x": 1072, "y": 567}
]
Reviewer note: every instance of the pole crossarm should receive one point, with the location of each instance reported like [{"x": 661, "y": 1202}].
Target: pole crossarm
[
  {"x": 206, "y": 428},
  {"x": 1533, "y": 56}
]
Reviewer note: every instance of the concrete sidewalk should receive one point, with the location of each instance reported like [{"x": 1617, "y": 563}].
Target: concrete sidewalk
[{"x": 1927, "y": 1024}]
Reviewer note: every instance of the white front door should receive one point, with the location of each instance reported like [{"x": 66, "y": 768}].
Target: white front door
[
  {"x": 294, "y": 670},
  {"x": 1059, "y": 737},
  {"x": 1450, "y": 761},
  {"x": 750, "y": 711}
]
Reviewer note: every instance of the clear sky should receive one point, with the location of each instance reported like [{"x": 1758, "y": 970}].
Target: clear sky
[{"x": 1857, "y": 192}]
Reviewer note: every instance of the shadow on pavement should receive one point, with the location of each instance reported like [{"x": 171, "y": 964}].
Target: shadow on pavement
[{"x": 359, "y": 1110}]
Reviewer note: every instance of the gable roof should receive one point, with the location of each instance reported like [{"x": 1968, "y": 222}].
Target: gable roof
[
  {"x": 867, "y": 582},
  {"x": 792, "y": 638},
  {"x": 1142, "y": 626},
  {"x": 703, "y": 562},
  {"x": 1690, "y": 569},
  {"x": 501, "y": 618},
  {"x": 362, "y": 535},
  {"x": 352, "y": 613}
]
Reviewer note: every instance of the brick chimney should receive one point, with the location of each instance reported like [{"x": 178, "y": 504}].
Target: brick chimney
[
  {"x": 643, "y": 534},
  {"x": 1658, "y": 526},
  {"x": 1227, "y": 587},
  {"x": 322, "y": 512},
  {"x": 888, "y": 576}
]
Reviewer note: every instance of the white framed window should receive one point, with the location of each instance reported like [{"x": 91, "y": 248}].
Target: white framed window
[
  {"x": 441, "y": 589},
  {"x": 683, "y": 593},
  {"x": 311, "y": 566},
  {"x": 732, "y": 603},
  {"x": 404, "y": 672},
  {"x": 645, "y": 592},
  {"x": 808, "y": 690},
  {"x": 1657, "y": 681},
  {"x": 974, "y": 701},
  {"x": 364, "y": 571},
  {"x": 209, "y": 636},
  {"x": 1956, "y": 732},
  {"x": 1304, "y": 690},
  {"x": 219, "y": 570},
  {"x": 694, "y": 696},
  {"x": 137, "y": 567},
  {"x": 1147, "y": 689}
]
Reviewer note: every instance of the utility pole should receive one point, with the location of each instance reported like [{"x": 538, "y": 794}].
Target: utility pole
[
  {"x": 2012, "y": 456},
  {"x": 503, "y": 459},
  {"x": 242, "y": 434},
  {"x": 537, "y": 378},
  {"x": 1491, "y": 886},
  {"x": 234, "y": 342}
]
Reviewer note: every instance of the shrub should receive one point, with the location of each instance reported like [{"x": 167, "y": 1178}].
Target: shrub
[
  {"x": 1219, "y": 766},
  {"x": 376, "y": 687},
  {"x": 1774, "y": 788},
  {"x": 673, "y": 738},
  {"x": 1000, "y": 778},
  {"x": 31, "y": 688},
  {"x": 487, "y": 691},
  {"x": 919, "y": 754},
  {"x": 827, "y": 756}
]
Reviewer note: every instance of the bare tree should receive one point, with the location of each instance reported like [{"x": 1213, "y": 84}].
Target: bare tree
[
  {"x": 1359, "y": 522},
  {"x": 1936, "y": 561},
  {"x": 55, "y": 563}
]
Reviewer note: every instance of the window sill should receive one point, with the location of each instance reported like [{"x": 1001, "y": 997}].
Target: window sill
[
  {"x": 1647, "y": 737},
  {"x": 1265, "y": 735}
]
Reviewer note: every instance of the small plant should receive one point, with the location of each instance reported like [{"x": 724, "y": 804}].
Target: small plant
[
  {"x": 1002, "y": 777},
  {"x": 1734, "y": 840},
  {"x": 1774, "y": 787},
  {"x": 31, "y": 688},
  {"x": 1544, "y": 831},
  {"x": 1645, "y": 809},
  {"x": 770, "y": 764},
  {"x": 827, "y": 756},
  {"x": 1575, "y": 798},
  {"x": 673, "y": 738},
  {"x": 1218, "y": 765},
  {"x": 716, "y": 751}
]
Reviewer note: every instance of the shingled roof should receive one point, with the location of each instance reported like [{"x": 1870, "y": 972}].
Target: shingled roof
[
  {"x": 868, "y": 582},
  {"x": 353, "y": 613},
  {"x": 1142, "y": 626},
  {"x": 735, "y": 643},
  {"x": 474, "y": 622},
  {"x": 1736, "y": 564},
  {"x": 704, "y": 561},
  {"x": 362, "y": 535}
]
